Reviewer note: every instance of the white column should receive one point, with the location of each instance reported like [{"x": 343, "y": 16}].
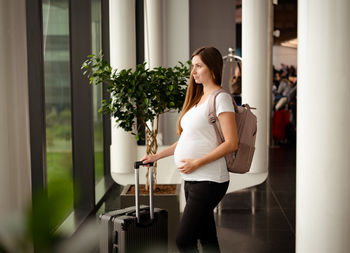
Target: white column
[
  {"x": 177, "y": 48},
  {"x": 176, "y": 31},
  {"x": 123, "y": 55},
  {"x": 254, "y": 72},
  {"x": 154, "y": 46},
  {"x": 154, "y": 35},
  {"x": 323, "y": 140},
  {"x": 15, "y": 169},
  {"x": 269, "y": 71}
]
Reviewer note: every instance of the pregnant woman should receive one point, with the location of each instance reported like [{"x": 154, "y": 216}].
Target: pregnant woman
[{"x": 197, "y": 154}]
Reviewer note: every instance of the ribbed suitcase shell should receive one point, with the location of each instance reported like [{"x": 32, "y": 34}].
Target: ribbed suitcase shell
[
  {"x": 122, "y": 233},
  {"x": 133, "y": 229}
]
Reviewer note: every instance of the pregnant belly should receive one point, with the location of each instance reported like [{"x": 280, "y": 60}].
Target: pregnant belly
[{"x": 190, "y": 150}]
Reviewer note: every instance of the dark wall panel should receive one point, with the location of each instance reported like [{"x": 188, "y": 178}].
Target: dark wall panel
[
  {"x": 212, "y": 23},
  {"x": 36, "y": 91},
  {"x": 82, "y": 115}
]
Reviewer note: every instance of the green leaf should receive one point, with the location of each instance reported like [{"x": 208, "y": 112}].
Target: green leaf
[{"x": 138, "y": 93}]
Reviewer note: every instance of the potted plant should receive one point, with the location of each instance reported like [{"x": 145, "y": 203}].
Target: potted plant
[{"x": 139, "y": 95}]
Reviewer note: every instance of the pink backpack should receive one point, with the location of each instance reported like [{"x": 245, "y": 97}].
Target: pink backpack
[{"x": 240, "y": 160}]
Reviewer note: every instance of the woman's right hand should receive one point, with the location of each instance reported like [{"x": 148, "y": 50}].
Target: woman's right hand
[{"x": 149, "y": 158}]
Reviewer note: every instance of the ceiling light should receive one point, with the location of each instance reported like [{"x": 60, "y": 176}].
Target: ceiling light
[{"x": 290, "y": 43}]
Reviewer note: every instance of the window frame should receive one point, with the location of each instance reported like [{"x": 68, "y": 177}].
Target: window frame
[{"x": 81, "y": 107}]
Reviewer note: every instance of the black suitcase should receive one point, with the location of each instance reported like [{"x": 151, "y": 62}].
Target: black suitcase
[{"x": 135, "y": 229}]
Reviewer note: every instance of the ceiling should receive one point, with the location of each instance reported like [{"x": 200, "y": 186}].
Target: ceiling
[{"x": 285, "y": 20}]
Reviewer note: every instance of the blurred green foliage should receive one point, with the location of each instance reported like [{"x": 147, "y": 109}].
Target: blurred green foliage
[
  {"x": 37, "y": 228},
  {"x": 48, "y": 212}
]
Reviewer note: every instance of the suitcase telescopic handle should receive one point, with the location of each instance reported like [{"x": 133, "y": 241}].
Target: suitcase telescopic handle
[{"x": 150, "y": 176}]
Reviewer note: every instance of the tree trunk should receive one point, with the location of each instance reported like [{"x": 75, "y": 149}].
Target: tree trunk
[{"x": 152, "y": 148}]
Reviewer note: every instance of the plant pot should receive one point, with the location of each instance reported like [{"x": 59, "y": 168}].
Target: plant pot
[{"x": 166, "y": 196}]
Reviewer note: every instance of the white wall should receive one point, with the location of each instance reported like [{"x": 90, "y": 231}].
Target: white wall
[
  {"x": 15, "y": 173},
  {"x": 285, "y": 55}
]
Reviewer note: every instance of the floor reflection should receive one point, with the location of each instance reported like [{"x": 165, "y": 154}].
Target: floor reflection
[{"x": 262, "y": 219}]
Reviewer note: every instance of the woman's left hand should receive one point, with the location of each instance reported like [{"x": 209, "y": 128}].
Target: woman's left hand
[{"x": 189, "y": 165}]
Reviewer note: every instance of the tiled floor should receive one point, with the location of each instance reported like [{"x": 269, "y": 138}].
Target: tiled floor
[{"x": 270, "y": 227}]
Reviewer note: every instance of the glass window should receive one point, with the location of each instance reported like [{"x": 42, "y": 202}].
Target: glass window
[
  {"x": 57, "y": 96},
  {"x": 96, "y": 26}
]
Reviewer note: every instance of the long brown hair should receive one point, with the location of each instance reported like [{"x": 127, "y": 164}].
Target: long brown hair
[{"x": 213, "y": 59}]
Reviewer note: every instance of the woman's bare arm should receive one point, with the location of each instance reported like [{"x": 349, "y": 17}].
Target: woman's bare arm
[{"x": 164, "y": 153}]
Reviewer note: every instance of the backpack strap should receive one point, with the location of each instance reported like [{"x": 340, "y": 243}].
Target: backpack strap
[
  {"x": 212, "y": 118},
  {"x": 212, "y": 106}
]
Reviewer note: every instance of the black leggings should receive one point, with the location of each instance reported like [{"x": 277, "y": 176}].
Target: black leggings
[{"x": 198, "y": 219}]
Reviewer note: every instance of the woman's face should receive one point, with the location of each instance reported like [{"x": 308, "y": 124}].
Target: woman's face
[{"x": 200, "y": 71}]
